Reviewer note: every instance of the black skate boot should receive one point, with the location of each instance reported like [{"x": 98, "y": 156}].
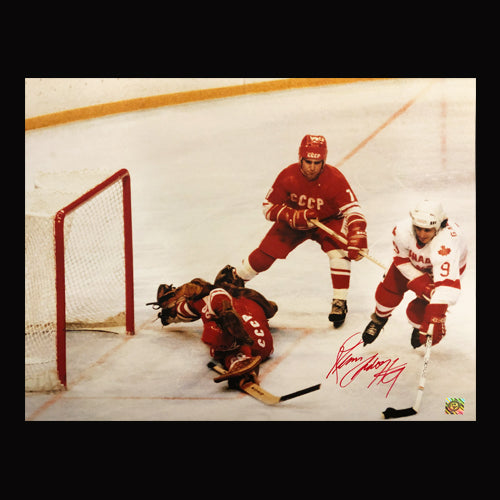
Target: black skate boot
[
  {"x": 415, "y": 338},
  {"x": 373, "y": 328},
  {"x": 338, "y": 313}
]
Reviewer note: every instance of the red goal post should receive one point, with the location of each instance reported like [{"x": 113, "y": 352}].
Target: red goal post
[{"x": 92, "y": 285}]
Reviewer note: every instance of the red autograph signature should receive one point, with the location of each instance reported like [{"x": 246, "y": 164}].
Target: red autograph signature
[{"x": 386, "y": 370}]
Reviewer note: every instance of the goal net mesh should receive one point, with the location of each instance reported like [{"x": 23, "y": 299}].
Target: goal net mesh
[{"x": 94, "y": 284}]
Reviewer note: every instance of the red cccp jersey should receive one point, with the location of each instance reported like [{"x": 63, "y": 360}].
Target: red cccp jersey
[
  {"x": 330, "y": 195},
  {"x": 208, "y": 309}
]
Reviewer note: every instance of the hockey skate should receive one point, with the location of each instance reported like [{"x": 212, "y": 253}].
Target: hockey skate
[
  {"x": 246, "y": 379},
  {"x": 415, "y": 338},
  {"x": 338, "y": 313},
  {"x": 373, "y": 328},
  {"x": 228, "y": 274},
  {"x": 240, "y": 368}
]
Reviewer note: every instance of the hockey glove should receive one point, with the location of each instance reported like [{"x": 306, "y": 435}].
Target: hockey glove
[
  {"x": 423, "y": 286},
  {"x": 164, "y": 301},
  {"x": 296, "y": 219},
  {"x": 231, "y": 323},
  {"x": 356, "y": 242},
  {"x": 301, "y": 219},
  {"x": 168, "y": 302},
  {"x": 435, "y": 314},
  {"x": 167, "y": 316},
  {"x": 164, "y": 294}
]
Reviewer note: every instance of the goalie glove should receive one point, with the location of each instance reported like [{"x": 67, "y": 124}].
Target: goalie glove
[
  {"x": 166, "y": 301},
  {"x": 163, "y": 295},
  {"x": 168, "y": 298},
  {"x": 230, "y": 322}
]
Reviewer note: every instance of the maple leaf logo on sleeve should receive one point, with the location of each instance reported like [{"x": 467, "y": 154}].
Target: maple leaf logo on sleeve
[{"x": 444, "y": 251}]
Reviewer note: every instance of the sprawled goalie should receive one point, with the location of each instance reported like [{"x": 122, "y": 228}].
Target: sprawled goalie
[{"x": 235, "y": 320}]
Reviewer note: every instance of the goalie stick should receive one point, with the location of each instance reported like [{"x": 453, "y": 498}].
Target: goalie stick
[
  {"x": 256, "y": 391},
  {"x": 407, "y": 412}
]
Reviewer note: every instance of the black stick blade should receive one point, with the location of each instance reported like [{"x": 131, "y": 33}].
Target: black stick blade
[
  {"x": 300, "y": 393},
  {"x": 392, "y": 413}
]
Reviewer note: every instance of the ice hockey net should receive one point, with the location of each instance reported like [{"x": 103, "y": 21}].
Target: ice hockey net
[{"x": 78, "y": 267}]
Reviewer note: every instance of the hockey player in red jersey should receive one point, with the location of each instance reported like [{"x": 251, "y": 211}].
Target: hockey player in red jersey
[
  {"x": 430, "y": 255},
  {"x": 235, "y": 320},
  {"x": 311, "y": 189}
]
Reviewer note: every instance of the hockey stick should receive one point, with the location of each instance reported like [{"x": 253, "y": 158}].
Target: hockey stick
[
  {"x": 256, "y": 391},
  {"x": 340, "y": 238},
  {"x": 407, "y": 412}
]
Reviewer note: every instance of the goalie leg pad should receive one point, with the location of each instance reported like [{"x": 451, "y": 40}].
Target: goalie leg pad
[{"x": 239, "y": 365}]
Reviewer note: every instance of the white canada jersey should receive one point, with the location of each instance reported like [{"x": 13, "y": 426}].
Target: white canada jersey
[{"x": 443, "y": 258}]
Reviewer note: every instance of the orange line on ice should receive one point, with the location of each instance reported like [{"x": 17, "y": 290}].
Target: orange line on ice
[{"x": 399, "y": 112}]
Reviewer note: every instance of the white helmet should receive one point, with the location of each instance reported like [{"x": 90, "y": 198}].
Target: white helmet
[{"x": 428, "y": 214}]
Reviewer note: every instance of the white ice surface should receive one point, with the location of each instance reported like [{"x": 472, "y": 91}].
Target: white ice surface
[{"x": 199, "y": 173}]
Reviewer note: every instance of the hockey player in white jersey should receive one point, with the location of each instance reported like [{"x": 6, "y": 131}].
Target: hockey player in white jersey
[{"x": 430, "y": 255}]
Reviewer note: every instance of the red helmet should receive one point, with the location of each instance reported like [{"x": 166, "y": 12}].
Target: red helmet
[{"x": 313, "y": 147}]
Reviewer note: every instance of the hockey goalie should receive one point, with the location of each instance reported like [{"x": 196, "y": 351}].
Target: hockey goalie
[{"x": 235, "y": 321}]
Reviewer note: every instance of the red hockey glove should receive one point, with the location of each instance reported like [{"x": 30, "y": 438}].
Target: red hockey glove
[
  {"x": 423, "y": 286},
  {"x": 356, "y": 241},
  {"x": 301, "y": 219},
  {"x": 297, "y": 219},
  {"x": 435, "y": 314}
]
